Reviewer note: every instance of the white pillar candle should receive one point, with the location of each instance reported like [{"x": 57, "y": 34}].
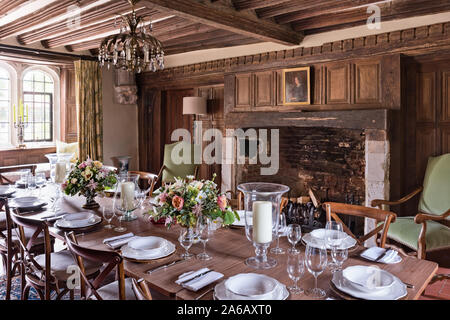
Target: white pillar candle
[
  {"x": 127, "y": 195},
  {"x": 60, "y": 172},
  {"x": 262, "y": 221}
]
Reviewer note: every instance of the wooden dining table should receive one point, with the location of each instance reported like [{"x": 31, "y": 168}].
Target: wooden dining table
[{"x": 229, "y": 248}]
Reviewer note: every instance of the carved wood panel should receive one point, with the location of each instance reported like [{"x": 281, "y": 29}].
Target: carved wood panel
[
  {"x": 244, "y": 90},
  {"x": 426, "y": 97},
  {"x": 338, "y": 83},
  {"x": 425, "y": 148},
  {"x": 445, "y": 139},
  {"x": 264, "y": 89},
  {"x": 367, "y": 82},
  {"x": 445, "y": 113}
]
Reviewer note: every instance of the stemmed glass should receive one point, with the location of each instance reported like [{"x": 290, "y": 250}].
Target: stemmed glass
[
  {"x": 204, "y": 231},
  {"x": 339, "y": 255},
  {"x": 280, "y": 232},
  {"x": 295, "y": 269},
  {"x": 316, "y": 262},
  {"x": 40, "y": 181},
  {"x": 334, "y": 236},
  {"x": 294, "y": 235},
  {"x": 31, "y": 183},
  {"x": 108, "y": 214},
  {"x": 119, "y": 214},
  {"x": 186, "y": 239}
]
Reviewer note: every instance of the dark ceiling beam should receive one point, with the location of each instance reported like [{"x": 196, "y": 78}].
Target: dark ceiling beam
[
  {"x": 103, "y": 12},
  {"x": 291, "y": 6},
  {"x": 318, "y": 11},
  {"x": 256, "y": 4},
  {"x": 398, "y": 9},
  {"x": 228, "y": 19},
  {"x": 106, "y": 27},
  {"x": 39, "y": 16}
]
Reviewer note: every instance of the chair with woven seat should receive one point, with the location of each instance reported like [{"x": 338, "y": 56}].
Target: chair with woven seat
[
  {"x": 45, "y": 272},
  {"x": 429, "y": 229},
  {"x": 91, "y": 288},
  {"x": 384, "y": 219}
]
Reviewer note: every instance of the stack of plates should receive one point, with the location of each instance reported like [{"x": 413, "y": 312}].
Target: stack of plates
[
  {"x": 6, "y": 191},
  {"x": 319, "y": 234},
  {"x": 241, "y": 222},
  {"x": 27, "y": 203},
  {"x": 147, "y": 248},
  {"x": 250, "y": 286},
  {"x": 78, "y": 220},
  {"x": 369, "y": 283}
]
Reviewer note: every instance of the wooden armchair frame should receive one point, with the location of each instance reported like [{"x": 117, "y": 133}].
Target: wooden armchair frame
[
  {"x": 332, "y": 210},
  {"x": 150, "y": 177},
  {"x": 420, "y": 218},
  {"x": 33, "y": 274},
  {"x": 110, "y": 258},
  {"x": 141, "y": 289}
]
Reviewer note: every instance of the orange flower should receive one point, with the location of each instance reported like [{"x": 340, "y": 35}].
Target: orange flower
[{"x": 178, "y": 202}]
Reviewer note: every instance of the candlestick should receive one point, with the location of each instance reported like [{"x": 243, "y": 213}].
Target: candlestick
[
  {"x": 262, "y": 221},
  {"x": 127, "y": 195}
]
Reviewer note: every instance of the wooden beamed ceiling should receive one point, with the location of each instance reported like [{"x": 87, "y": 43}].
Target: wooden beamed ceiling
[{"x": 188, "y": 25}]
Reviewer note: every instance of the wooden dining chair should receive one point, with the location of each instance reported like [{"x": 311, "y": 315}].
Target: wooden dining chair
[
  {"x": 383, "y": 218},
  {"x": 147, "y": 177},
  {"x": 45, "y": 272},
  {"x": 92, "y": 288},
  {"x": 140, "y": 289}
]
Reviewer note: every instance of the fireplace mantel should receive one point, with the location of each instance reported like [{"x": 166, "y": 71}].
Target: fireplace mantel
[{"x": 351, "y": 119}]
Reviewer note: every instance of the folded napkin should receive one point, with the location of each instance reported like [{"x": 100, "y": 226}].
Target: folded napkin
[
  {"x": 53, "y": 216},
  {"x": 197, "y": 283},
  {"x": 374, "y": 253},
  {"x": 118, "y": 241}
]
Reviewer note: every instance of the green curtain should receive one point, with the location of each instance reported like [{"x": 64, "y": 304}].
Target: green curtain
[{"x": 88, "y": 90}]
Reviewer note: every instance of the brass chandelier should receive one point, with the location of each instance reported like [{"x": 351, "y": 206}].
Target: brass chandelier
[{"x": 134, "y": 48}]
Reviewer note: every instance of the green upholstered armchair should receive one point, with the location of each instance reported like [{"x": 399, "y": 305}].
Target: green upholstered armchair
[
  {"x": 429, "y": 229},
  {"x": 174, "y": 168}
]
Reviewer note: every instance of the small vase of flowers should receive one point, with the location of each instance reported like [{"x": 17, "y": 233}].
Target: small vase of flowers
[
  {"x": 187, "y": 200},
  {"x": 88, "y": 178}
]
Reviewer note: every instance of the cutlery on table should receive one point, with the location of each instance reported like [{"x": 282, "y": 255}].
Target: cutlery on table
[
  {"x": 196, "y": 277},
  {"x": 165, "y": 266}
]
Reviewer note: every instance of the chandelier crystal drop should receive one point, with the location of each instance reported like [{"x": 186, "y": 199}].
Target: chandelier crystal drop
[{"x": 133, "y": 48}]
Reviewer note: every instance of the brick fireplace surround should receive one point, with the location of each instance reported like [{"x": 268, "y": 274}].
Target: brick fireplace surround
[{"x": 339, "y": 154}]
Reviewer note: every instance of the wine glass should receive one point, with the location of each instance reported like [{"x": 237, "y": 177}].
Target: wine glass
[
  {"x": 339, "y": 255},
  {"x": 108, "y": 214},
  {"x": 281, "y": 232},
  {"x": 295, "y": 269},
  {"x": 204, "y": 231},
  {"x": 334, "y": 236},
  {"x": 119, "y": 214},
  {"x": 294, "y": 234},
  {"x": 31, "y": 183},
  {"x": 316, "y": 262},
  {"x": 40, "y": 181},
  {"x": 186, "y": 239}
]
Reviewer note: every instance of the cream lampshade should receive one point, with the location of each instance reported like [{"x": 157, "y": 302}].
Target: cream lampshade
[{"x": 194, "y": 105}]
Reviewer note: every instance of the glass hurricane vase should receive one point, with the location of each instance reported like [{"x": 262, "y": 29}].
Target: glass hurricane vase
[
  {"x": 128, "y": 196},
  {"x": 262, "y": 208}
]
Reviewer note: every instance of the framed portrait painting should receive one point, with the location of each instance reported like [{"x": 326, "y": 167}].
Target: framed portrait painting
[{"x": 296, "y": 86}]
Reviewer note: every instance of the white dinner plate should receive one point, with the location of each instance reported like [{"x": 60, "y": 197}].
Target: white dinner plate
[
  {"x": 78, "y": 220},
  {"x": 394, "y": 292},
  {"x": 241, "y": 221},
  {"x": 347, "y": 243},
  {"x": 221, "y": 293},
  {"x": 368, "y": 278},
  {"x": 79, "y": 223},
  {"x": 148, "y": 245},
  {"x": 252, "y": 285},
  {"x": 130, "y": 253},
  {"x": 6, "y": 191},
  {"x": 26, "y": 203}
]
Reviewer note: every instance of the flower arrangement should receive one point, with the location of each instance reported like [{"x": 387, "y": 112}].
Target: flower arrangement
[
  {"x": 88, "y": 178},
  {"x": 187, "y": 200}
]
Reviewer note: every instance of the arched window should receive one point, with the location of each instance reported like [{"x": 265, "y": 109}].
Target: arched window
[
  {"x": 5, "y": 106},
  {"x": 38, "y": 90}
]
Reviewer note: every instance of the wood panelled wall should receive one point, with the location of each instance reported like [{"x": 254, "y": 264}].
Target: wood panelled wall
[
  {"x": 69, "y": 119},
  {"x": 426, "y": 114}
]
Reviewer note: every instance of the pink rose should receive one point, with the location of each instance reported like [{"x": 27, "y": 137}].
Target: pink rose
[
  {"x": 222, "y": 202},
  {"x": 82, "y": 165},
  {"x": 178, "y": 202},
  {"x": 163, "y": 197}
]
